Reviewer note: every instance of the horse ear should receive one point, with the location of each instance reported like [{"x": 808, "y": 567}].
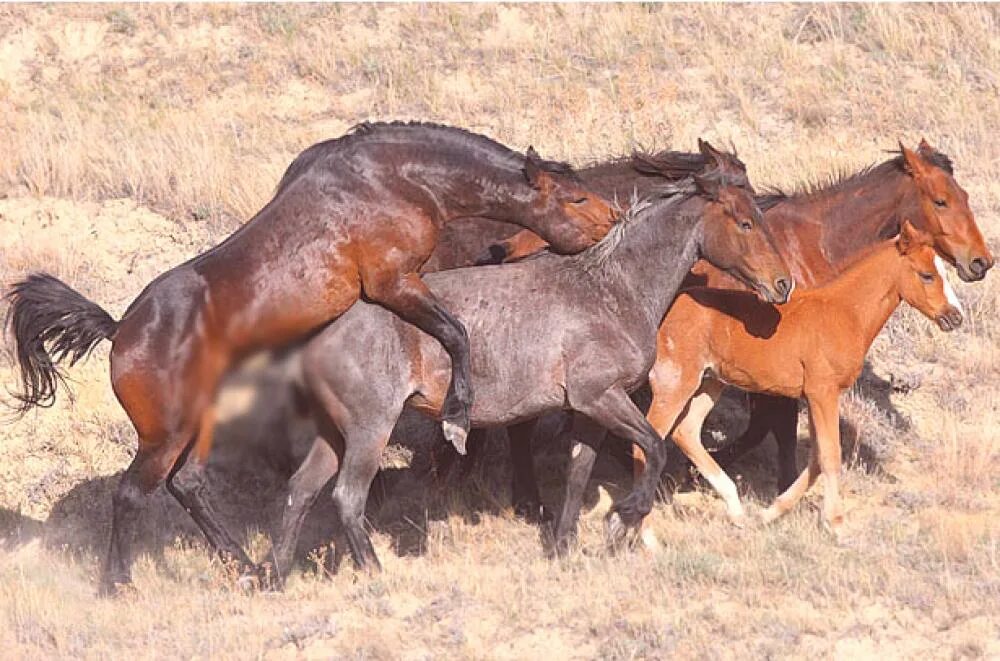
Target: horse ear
[
  {"x": 710, "y": 153},
  {"x": 924, "y": 147},
  {"x": 534, "y": 173},
  {"x": 912, "y": 162},
  {"x": 907, "y": 238}
]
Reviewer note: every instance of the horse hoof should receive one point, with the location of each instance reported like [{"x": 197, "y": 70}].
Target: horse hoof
[
  {"x": 455, "y": 435},
  {"x": 615, "y": 530},
  {"x": 649, "y": 541},
  {"x": 770, "y": 514},
  {"x": 739, "y": 520},
  {"x": 533, "y": 512},
  {"x": 116, "y": 589}
]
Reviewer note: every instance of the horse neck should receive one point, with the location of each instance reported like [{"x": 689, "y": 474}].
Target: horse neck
[
  {"x": 652, "y": 257},
  {"x": 619, "y": 181},
  {"x": 463, "y": 181},
  {"x": 857, "y": 214},
  {"x": 868, "y": 291}
]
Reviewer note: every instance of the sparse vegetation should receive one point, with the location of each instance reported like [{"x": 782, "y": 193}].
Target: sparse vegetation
[{"x": 136, "y": 136}]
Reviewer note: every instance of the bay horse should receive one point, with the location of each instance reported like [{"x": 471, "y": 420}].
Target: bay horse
[
  {"x": 550, "y": 333},
  {"x": 354, "y": 216},
  {"x": 813, "y": 347},
  {"x": 817, "y": 230}
]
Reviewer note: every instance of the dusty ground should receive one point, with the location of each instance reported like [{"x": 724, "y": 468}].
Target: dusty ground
[{"x": 134, "y": 137}]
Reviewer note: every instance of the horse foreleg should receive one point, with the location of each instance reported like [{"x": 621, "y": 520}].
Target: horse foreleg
[
  {"x": 825, "y": 418},
  {"x": 409, "y": 297},
  {"x": 614, "y": 411}
]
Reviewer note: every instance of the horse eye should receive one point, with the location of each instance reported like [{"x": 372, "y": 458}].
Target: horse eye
[
  {"x": 941, "y": 204},
  {"x": 746, "y": 225},
  {"x": 580, "y": 201},
  {"x": 927, "y": 278}
]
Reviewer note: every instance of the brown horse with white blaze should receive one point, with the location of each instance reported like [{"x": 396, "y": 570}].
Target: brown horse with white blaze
[
  {"x": 353, "y": 216},
  {"x": 812, "y": 347}
]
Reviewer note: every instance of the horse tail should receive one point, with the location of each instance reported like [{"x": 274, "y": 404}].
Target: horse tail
[{"x": 51, "y": 322}]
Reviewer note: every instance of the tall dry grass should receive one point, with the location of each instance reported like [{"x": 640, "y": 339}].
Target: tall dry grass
[{"x": 134, "y": 136}]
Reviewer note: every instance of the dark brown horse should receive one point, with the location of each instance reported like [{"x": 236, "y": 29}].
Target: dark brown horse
[
  {"x": 353, "y": 216},
  {"x": 550, "y": 333}
]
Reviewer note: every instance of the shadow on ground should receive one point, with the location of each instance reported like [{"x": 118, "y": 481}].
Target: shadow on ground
[{"x": 266, "y": 436}]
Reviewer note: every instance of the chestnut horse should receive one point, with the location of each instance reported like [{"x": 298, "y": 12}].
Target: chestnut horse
[
  {"x": 351, "y": 216},
  {"x": 820, "y": 229},
  {"x": 551, "y": 333},
  {"x": 812, "y": 347}
]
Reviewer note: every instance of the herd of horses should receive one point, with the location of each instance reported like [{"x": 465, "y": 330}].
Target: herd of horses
[{"x": 568, "y": 291}]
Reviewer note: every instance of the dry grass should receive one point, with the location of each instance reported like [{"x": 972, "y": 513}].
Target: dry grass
[{"x": 133, "y": 137}]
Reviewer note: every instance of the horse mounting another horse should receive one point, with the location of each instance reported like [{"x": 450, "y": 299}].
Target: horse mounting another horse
[
  {"x": 351, "y": 216},
  {"x": 551, "y": 333}
]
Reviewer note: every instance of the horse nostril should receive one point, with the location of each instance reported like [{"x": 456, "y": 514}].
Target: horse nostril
[
  {"x": 978, "y": 266},
  {"x": 783, "y": 286}
]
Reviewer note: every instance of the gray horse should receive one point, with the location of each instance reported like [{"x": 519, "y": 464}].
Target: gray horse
[{"x": 550, "y": 333}]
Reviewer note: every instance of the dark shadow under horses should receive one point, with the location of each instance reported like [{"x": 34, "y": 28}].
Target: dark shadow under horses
[
  {"x": 551, "y": 333},
  {"x": 356, "y": 216}
]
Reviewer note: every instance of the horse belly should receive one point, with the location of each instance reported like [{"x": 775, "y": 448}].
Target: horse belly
[{"x": 759, "y": 367}]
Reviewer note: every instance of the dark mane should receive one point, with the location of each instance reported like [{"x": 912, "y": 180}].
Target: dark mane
[
  {"x": 597, "y": 255},
  {"x": 368, "y": 130},
  {"x": 838, "y": 181}
]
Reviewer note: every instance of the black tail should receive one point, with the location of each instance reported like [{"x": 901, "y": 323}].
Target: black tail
[{"x": 51, "y": 322}]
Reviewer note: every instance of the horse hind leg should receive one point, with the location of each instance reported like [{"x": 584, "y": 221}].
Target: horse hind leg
[
  {"x": 187, "y": 483},
  {"x": 407, "y": 296},
  {"x": 687, "y": 436},
  {"x": 152, "y": 464},
  {"x": 362, "y": 452},
  {"x": 319, "y": 466}
]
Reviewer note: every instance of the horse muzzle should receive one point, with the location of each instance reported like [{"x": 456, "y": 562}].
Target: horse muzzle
[
  {"x": 975, "y": 269},
  {"x": 949, "y": 320},
  {"x": 777, "y": 292}
]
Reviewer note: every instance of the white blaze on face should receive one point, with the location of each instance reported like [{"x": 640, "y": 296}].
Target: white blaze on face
[{"x": 949, "y": 292}]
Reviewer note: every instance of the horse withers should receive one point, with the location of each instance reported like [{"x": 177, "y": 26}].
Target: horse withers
[
  {"x": 353, "y": 216},
  {"x": 551, "y": 333}
]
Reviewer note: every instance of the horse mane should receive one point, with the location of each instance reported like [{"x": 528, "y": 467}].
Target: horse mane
[
  {"x": 597, "y": 255},
  {"x": 838, "y": 181},
  {"x": 366, "y": 129}
]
